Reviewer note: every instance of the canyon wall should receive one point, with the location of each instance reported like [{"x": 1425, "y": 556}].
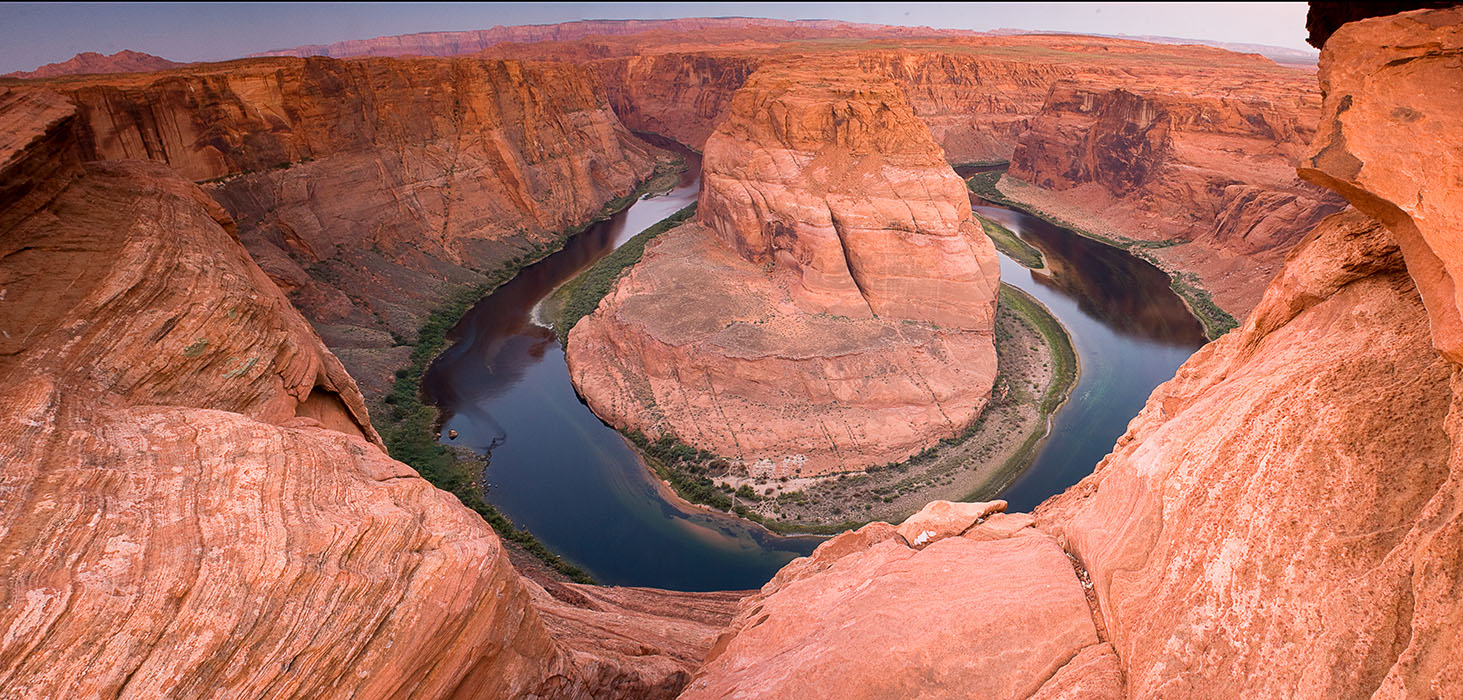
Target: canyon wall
[
  {"x": 1283, "y": 518},
  {"x": 371, "y": 190},
  {"x": 1212, "y": 166},
  {"x": 196, "y": 503},
  {"x": 832, "y": 306}
]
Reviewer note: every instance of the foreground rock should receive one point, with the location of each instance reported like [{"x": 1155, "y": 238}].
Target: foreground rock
[
  {"x": 194, "y": 500},
  {"x": 831, "y": 308},
  {"x": 990, "y": 608},
  {"x": 371, "y": 191}
]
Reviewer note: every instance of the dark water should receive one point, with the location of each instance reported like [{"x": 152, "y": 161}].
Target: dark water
[
  {"x": 555, "y": 469},
  {"x": 558, "y": 471},
  {"x": 1131, "y": 333}
]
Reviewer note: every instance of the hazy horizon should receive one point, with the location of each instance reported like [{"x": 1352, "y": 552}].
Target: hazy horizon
[{"x": 36, "y": 34}]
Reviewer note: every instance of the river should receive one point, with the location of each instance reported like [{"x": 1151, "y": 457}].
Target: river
[{"x": 555, "y": 469}]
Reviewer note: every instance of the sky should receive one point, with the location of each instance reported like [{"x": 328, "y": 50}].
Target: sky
[{"x": 32, "y": 34}]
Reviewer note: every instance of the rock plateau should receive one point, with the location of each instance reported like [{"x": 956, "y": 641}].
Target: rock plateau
[{"x": 830, "y": 309}]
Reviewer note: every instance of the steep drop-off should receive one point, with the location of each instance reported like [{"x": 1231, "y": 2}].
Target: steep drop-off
[
  {"x": 1284, "y": 516},
  {"x": 1210, "y": 165},
  {"x": 195, "y": 502},
  {"x": 371, "y": 190},
  {"x": 832, "y": 306}
]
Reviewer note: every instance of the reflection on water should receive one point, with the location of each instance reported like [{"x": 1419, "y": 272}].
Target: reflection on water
[
  {"x": 1131, "y": 333},
  {"x": 555, "y": 469},
  {"x": 558, "y": 471}
]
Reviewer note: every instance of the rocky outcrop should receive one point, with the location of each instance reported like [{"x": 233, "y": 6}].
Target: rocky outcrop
[
  {"x": 195, "y": 501},
  {"x": 125, "y": 61},
  {"x": 371, "y": 190},
  {"x": 1211, "y": 166},
  {"x": 832, "y": 307},
  {"x": 1001, "y": 614},
  {"x": 1284, "y": 516},
  {"x": 1392, "y": 99}
]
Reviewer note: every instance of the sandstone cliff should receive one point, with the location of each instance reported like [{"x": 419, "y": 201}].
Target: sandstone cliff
[
  {"x": 124, "y": 61},
  {"x": 1127, "y": 139},
  {"x": 832, "y": 307},
  {"x": 196, "y": 502},
  {"x": 1282, "y": 519},
  {"x": 1212, "y": 166},
  {"x": 370, "y": 190}
]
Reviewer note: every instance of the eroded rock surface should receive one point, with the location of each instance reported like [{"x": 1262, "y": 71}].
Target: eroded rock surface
[
  {"x": 372, "y": 190},
  {"x": 194, "y": 501},
  {"x": 830, "y": 309},
  {"x": 1212, "y": 166},
  {"x": 995, "y": 612}
]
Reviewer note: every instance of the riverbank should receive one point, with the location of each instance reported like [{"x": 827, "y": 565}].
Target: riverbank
[
  {"x": 409, "y": 425},
  {"x": 1037, "y": 367},
  {"x": 995, "y": 186}
]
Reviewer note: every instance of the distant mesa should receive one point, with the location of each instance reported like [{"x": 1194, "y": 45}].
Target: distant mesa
[{"x": 90, "y": 62}]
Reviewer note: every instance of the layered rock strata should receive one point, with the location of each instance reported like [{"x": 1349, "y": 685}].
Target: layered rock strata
[
  {"x": 961, "y": 601},
  {"x": 1130, "y": 140},
  {"x": 1283, "y": 517},
  {"x": 1214, "y": 167},
  {"x": 194, "y": 501},
  {"x": 832, "y": 306},
  {"x": 371, "y": 190}
]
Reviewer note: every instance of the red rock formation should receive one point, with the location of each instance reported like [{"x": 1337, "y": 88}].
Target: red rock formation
[
  {"x": 989, "y": 607},
  {"x": 1284, "y": 516},
  {"x": 455, "y": 43},
  {"x": 1392, "y": 98},
  {"x": 124, "y": 61},
  {"x": 1212, "y": 165},
  {"x": 195, "y": 501},
  {"x": 370, "y": 190},
  {"x": 833, "y": 307}
]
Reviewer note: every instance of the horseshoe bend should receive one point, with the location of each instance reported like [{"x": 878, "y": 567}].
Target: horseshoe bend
[{"x": 736, "y": 358}]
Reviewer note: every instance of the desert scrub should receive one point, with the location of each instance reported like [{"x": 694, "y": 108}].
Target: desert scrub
[{"x": 578, "y": 297}]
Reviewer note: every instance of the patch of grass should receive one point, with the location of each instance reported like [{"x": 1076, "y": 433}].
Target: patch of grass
[
  {"x": 578, "y": 297},
  {"x": 1009, "y": 243},
  {"x": 409, "y": 428}
]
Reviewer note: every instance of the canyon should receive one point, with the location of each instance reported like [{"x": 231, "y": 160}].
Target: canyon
[
  {"x": 371, "y": 190},
  {"x": 830, "y": 308},
  {"x": 197, "y": 501}
]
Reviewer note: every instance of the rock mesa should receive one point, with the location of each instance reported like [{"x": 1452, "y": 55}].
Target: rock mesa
[{"x": 830, "y": 308}]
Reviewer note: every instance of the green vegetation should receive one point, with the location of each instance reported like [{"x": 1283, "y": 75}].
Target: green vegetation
[
  {"x": 1063, "y": 355},
  {"x": 1216, "y": 321},
  {"x": 1009, "y": 243},
  {"x": 409, "y": 428},
  {"x": 578, "y": 297}
]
